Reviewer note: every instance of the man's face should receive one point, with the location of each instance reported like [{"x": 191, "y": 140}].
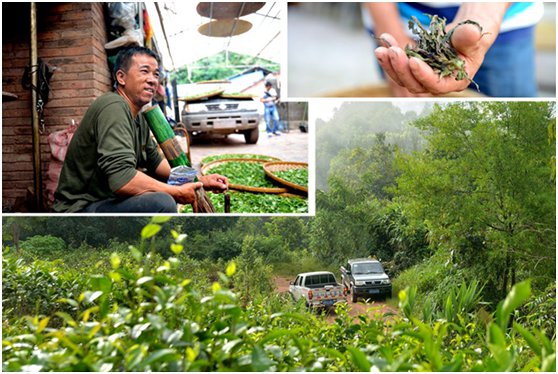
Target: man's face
[{"x": 141, "y": 81}]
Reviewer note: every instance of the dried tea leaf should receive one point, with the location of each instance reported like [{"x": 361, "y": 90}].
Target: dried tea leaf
[{"x": 434, "y": 47}]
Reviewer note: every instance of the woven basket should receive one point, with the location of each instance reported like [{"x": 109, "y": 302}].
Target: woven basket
[
  {"x": 238, "y": 156},
  {"x": 272, "y": 190},
  {"x": 272, "y": 167}
]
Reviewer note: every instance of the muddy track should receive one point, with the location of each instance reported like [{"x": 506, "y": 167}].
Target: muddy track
[{"x": 372, "y": 308}]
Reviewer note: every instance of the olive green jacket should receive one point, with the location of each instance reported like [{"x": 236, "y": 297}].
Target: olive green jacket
[{"x": 104, "y": 154}]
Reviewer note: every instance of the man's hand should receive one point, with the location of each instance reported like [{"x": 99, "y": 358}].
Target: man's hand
[
  {"x": 471, "y": 44},
  {"x": 186, "y": 193},
  {"x": 215, "y": 182}
]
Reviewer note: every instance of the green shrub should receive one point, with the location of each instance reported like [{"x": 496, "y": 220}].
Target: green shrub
[
  {"x": 43, "y": 245},
  {"x": 540, "y": 312},
  {"x": 37, "y": 288},
  {"x": 301, "y": 262},
  {"x": 425, "y": 276}
]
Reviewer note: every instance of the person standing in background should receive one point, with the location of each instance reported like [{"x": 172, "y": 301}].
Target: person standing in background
[{"x": 269, "y": 100}]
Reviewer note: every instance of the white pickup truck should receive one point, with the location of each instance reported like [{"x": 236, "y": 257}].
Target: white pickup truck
[{"x": 319, "y": 289}]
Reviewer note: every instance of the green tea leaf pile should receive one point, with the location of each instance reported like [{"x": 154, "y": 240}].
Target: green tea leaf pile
[
  {"x": 434, "y": 47},
  {"x": 246, "y": 202},
  {"x": 208, "y": 159},
  {"x": 297, "y": 176},
  {"x": 244, "y": 173}
]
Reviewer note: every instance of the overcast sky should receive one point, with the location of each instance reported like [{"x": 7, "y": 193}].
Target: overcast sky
[{"x": 324, "y": 108}]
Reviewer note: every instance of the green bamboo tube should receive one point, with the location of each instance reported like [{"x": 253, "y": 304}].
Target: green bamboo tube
[
  {"x": 166, "y": 138},
  {"x": 173, "y": 152}
]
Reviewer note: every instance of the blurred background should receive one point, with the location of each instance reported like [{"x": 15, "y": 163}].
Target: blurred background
[{"x": 331, "y": 54}]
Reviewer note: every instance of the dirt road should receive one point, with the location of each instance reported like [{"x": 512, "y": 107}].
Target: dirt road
[{"x": 372, "y": 308}]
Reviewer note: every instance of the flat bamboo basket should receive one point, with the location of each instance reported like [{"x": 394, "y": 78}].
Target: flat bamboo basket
[
  {"x": 271, "y": 168},
  {"x": 205, "y": 169}
]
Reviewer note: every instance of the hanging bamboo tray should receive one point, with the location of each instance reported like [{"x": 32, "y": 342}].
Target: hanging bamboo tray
[
  {"x": 229, "y": 10},
  {"x": 271, "y": 168},
  {"x": 251, "y": 156},
  {"x": 225, "y": 28},
  {"x": 239, "y": 187}
]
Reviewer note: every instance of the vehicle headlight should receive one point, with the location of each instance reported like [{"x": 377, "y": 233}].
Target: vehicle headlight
[
  {"x": 360, "y": 283},
  {"x": 385, "y": 281},
  {"x": 194, "y": 108}
]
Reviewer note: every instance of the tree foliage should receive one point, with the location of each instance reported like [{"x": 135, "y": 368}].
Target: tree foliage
[
  {"x": 355, "y": 125},
  {"x": 223, "y": 65},
  {"x": 90, "y": 230},
  {"x": 484, "y": 189}
]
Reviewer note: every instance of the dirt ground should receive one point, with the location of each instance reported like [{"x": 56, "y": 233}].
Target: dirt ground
[
  {"x": 371, "y": 308},
  {"x": 289, "y": 146}
]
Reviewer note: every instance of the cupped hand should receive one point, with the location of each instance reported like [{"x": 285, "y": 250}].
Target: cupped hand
[{"x": 417, "y": 77}]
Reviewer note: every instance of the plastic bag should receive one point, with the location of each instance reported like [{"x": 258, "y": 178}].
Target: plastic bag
[
  {"x": 59, "y": 142},
  {"x": 123, "y": 15}
]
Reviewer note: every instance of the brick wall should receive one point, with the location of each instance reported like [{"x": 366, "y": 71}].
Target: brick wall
[{"x": 71, "y": 38}]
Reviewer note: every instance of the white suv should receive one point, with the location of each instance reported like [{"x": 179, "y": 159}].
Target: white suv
[{"x": 222, "y": 113}]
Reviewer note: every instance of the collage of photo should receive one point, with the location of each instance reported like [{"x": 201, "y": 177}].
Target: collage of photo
[{"x": 279, "y": 186}]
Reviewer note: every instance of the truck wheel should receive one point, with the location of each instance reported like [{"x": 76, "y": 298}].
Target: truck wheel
[
  {"x": 251, "y": 136},
  {"x": 354, "y": 297}
]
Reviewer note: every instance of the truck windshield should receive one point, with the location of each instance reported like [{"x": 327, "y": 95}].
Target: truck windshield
[{"x": 368, "y": 268}]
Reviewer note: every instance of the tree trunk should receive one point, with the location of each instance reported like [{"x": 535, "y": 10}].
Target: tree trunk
[
  {"x": 513, "y": 280},
  {"x": 16, "y": 231},
  {"x": 506, "y": 276}
]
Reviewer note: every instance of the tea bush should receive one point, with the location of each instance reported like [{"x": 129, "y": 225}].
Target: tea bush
[
  {"x": 41, "y": 245},
  {"x": 37, "y": 288},
  {"x": 425, "y": 276},
  {"x": 147, "y": 314}
]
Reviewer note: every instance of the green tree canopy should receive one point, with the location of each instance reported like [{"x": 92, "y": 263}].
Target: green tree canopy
[
  {"x": 223, "y": 65},
  {"x": 484, "y": 189}
]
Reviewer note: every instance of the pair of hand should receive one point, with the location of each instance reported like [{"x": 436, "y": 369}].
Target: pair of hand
[
  {"x": 413, "y": 77},
  {"x": 212, "y": 182}
]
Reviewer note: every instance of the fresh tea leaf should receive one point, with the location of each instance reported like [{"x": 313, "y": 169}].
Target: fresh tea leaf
[{"x": 434, "y": 47}]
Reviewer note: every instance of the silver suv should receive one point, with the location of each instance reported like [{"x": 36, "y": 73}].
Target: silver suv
[
  {"x": 223, "y": 114},
  {"x": 366, "y": 278}
]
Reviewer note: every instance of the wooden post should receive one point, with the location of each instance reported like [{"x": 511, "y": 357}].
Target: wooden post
[
  {"x": 175, "y": 101},
  {"x": 37, "y": 173}
]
